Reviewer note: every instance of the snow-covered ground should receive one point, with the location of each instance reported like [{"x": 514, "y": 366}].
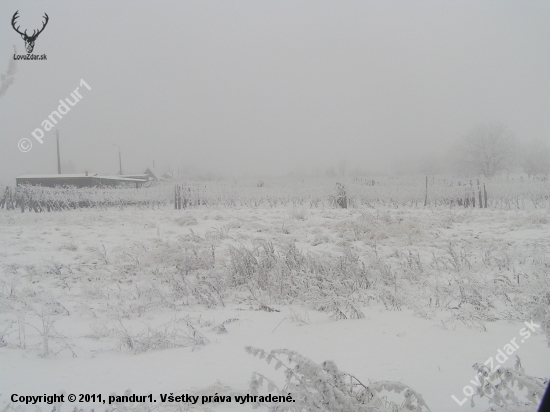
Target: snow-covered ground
[{"x": 88, "y": 302}]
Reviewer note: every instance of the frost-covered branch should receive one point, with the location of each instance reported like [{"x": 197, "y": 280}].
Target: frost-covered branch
[{"x": 6, "y": 80}]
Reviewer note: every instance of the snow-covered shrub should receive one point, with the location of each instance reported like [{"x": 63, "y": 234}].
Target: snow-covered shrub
[
  {"x": 69, "y": 246},
  {"x": 319, "y": 239},
  {"x": 170, "y": 335},
  {"x": 298, "y": 213},
  {"x": 186, "y": 220},
  {"x": 323, "y": 387},
  {"x": 541, "y": 314},
  {"x": 336, "y": 285},
  {"x": 505, "y": 386}
]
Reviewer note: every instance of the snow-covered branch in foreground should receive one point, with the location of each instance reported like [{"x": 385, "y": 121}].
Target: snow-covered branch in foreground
[
  {"x": 6, "y": 80},
  {"x": 322, "y": 387}
]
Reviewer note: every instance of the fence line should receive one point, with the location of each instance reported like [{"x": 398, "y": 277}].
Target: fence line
[{"x": 382, "y": 192}]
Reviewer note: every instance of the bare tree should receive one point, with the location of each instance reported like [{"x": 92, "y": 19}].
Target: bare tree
[
  {"x": 343, "y": 167},
  {"x": 6, "y": 80},
  {"x": 488, "y": 149},
  {"x": 536, "y": 158}
]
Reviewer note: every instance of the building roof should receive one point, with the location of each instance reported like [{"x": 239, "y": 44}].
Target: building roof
[
  {"x": 83, "y": 176},
  {"x": 153, "y": 172},
  {"x": 120, "y": 179},
  {"x": 56, "y": 176},
  {"x": 137, "y": 176}
]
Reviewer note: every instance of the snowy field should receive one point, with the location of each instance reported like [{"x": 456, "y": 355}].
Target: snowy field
[{"x": 165, "y": 301}]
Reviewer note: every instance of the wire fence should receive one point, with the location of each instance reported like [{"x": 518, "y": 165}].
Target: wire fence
[{"x": 402, "y": 192}]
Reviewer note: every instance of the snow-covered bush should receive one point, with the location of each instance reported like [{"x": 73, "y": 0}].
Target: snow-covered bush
[
  {"x": 505, "y": 386},
  {"x": 336, "y": 285},
  {"x": 323, "y": 387}
]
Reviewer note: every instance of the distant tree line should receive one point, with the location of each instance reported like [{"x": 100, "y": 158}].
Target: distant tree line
[{"x": 490, "y": 149}]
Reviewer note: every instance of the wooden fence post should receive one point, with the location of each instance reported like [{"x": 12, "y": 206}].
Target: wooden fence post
[
  {"x": 426, "y": 196},
  {"x": 177, "y": 197},
  {"x": 479, "y": 193}
]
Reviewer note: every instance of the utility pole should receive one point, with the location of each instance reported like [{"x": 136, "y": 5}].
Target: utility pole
[
  {"x": 58, "y": 157},
  {"x": 119, "y": 160}
]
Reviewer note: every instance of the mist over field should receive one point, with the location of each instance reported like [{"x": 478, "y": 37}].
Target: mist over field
[
  {"x": 281, "y": 87},
  {"x": 281, "y": 205}
]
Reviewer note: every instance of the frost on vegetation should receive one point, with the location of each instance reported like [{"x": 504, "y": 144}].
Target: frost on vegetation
[
  {"x": 334, "y": 285},
  {"x": 535, "y": 218},
  {"x": 298, "y": 213},
  {"x": 143, "y": 280},
  {"x": 319, "y": 239},
  {"x": 170, "y": 335},
  {"x": 378, "y": 226},
  {"x": 509, "y": 389},
  {"x": 69, "y": 246},
  {"x": 187, "y": 220},
  {"x": 323, "y": 387},
  {"x": 31, "y": 327},
  {"x": 188, "y": 255},
  {"x": 388, "y": 192},
  {"x": 340, "y": 285},
  {"x": 541, "y": 313}
]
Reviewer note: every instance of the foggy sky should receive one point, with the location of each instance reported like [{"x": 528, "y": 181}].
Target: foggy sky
[{"x": 270, "y": 86}]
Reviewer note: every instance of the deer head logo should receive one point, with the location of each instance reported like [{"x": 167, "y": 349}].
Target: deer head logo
[{"x": 29, "y": 40}]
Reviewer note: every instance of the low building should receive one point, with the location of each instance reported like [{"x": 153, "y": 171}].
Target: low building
[
  {"x": 77, "y": 180},
  {"x": 153, "y": 174}
]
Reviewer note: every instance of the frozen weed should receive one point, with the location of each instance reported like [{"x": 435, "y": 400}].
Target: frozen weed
[
  {"x": 319, "y": 240},
  {"x": 187, "y": 220},
  {"x": 169, "y": 335},
  {"x": 506, "y": 386},
  {"x": 221, "y": 329},
  {"x": 298, "y": 213},
  {"x": 323, "y": 387},
  {"x": 69, "y": 246}
]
